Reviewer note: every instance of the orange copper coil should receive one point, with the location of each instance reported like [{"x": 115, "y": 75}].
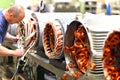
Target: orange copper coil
[
  {"x": 77, "y": 50},
  {"x": 111, "y": 56},
  {"x": 53, "y": 39}
]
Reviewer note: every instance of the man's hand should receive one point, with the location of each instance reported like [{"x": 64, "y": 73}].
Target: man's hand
[
  {"x": 19, "y": 52},
  {"x": 11, "y": 38}
]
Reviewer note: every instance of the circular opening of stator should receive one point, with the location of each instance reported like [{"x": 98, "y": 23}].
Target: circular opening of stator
[
  {"x": 77, "y": 49},
  {"x": 53, "y": 39}
]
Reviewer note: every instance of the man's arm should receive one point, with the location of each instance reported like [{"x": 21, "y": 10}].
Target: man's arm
[
  {"x": 7, "y": 52},
  {"x": 10, "y": 37}
]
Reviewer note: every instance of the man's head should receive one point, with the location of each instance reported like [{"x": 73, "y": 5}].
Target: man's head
[{"x": 14, "y": 14}]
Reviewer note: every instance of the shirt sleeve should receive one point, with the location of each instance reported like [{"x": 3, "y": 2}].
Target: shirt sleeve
[{"x": 0, "y": 39}]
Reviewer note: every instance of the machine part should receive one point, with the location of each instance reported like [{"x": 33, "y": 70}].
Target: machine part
[
  {"x": 28, "y": 31},
  {"x": 42, "y": 6},
  {"x": 77, "y": 49},
  {"x": 111, "y": 56},
  {"x": 53, "y": 39},
  {"x": 97, "y": 41}
]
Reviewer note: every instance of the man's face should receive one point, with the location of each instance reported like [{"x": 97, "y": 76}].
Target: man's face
[{"x": 16, "y": 19}]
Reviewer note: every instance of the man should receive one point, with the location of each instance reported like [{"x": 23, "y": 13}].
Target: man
[{"x": 12, "y": 15}]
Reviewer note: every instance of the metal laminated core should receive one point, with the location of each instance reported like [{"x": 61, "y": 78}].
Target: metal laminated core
[
  {"x": 97, "y": 42},
  {"x": 53, "y": 40}
]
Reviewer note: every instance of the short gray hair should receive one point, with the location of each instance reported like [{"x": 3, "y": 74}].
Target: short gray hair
[{"x": 16, "y": 10}]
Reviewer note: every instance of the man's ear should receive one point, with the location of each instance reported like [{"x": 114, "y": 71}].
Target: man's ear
[{"x": 11, "y": 14}]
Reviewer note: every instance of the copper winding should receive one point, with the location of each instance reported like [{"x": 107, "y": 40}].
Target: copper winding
[
  {"x": 111, "y": 56},
  {"x": 53, "y": 39},
  {"x": 78, "y": 50}
]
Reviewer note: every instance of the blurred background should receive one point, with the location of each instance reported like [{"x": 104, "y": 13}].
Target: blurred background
[
  {"x": 109, "y": 7},
  {"x": 43, "y": 66}
]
